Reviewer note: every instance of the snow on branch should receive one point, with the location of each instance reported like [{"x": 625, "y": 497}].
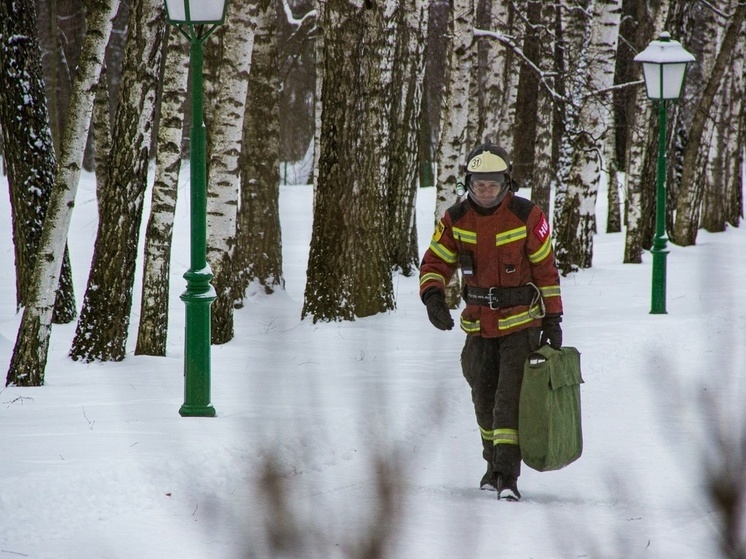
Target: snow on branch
[
  {"x": 718, "y": 11},
  {"x": 292, "y": 20},
  {"x": 508, "y": 42}
]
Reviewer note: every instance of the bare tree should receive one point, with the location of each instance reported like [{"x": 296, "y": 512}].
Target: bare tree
[
  {"x": 29, "y": 151},
  {"x": 223, "y": 167},
  {"x": 32, "y": 343},
  {"x": 406, "y": 93},
  {"x": 153, "y": 327},
  {"x": 348, "y": 270},
  {"x": 592, "y": 40},
  {"x": 103, "y": 326},
  {"x": 640, "y": 144},
  {"x": 527, "y": 100},
  {"x": 690, "y": 197},
  {"x": 452, "y": 147}
]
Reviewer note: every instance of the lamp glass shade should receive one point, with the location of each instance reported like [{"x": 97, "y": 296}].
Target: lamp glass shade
[
  {"x": 664, "y": 65},
  {"x": 664, "y": 81},
  {"x": 193, "y": 12}
]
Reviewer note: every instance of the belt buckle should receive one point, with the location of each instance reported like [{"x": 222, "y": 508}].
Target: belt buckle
[{"x": 493, "y": 300}]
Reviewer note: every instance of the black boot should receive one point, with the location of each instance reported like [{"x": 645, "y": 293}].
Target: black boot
[
  {"x": 489, "y": 480},
  {"x": 507, "y": 488}
]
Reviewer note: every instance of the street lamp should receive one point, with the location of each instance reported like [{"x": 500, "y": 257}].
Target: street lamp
[
  {"x": 664, "y": 65},
  {"x": 196, "y": 20}
]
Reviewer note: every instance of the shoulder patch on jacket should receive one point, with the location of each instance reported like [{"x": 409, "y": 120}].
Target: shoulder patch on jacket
[
  {"x": 521, "y": 207},
  {"x": 439, "y": 230},
  {"x": 457, "y": 211},
  {"x": 542, "y": 229}
]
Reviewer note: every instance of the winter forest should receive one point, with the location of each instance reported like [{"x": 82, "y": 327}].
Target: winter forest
[{"x": 378, "y": 98}]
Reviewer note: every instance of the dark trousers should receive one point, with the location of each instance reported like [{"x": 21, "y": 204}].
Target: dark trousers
[{"x": 493, "y": 367}]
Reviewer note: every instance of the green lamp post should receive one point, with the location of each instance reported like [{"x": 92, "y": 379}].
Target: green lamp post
[
  {"x": 664, "y": 64},
  {"x": 196, "y": 20}
]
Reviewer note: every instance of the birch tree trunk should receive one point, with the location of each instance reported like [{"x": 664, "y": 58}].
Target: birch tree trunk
[
  {"x": 723, "y": 175},
  {"x": 153, "y": 327},
  {"x": 575, "y": 217},
  {"x": 406, "y": 116},
  {"x": 500, "y": 101},
  {"x": 258, "y": 254},
  {"x": 349, "y": 274},
  {"x": 550, "y": 110},
  {"x": 688, "y": 207},
  {"x": 32, "y": 343},
  {"x": 224, "y": 172},
  {"x": 103, "y": 326},
  {"x": 28, "y": 149},
  {"x": 641, "y": 141},
  {"x": 101, "y": 131},
  {"x": 452, "y": 148}
]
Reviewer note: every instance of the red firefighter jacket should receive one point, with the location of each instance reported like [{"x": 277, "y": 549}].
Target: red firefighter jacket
[{"x": 509, "y": 246}]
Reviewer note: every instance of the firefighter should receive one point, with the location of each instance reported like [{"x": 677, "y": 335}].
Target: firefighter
[{"x": 502, "y": 245}]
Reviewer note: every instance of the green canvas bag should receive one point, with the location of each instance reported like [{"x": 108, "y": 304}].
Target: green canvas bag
[{"x": 549, "y": 426}]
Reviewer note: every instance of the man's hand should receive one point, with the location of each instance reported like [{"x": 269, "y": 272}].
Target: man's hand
[
  {"x": 551, "y": 332},
  {"x": 437, "y": 309}
]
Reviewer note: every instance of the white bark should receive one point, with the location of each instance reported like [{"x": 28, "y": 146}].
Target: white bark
[
  {"x": 223, "y": 169},
  {"x": 452, "y": 148},
  {"x": 32, "y": 344},
  {"x": 594, "y": 72},
  {"x": 151, "y": 339}
]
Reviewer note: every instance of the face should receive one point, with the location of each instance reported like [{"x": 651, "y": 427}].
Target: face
[{"x": 486, "y": 192}]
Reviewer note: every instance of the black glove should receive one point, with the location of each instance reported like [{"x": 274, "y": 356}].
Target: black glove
[
  {"x": 551, "y": 333},
  {"x": 437, "y": 309}
]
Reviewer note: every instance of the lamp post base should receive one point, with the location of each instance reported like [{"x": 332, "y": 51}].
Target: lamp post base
[
  {"x": 188, "y": 410},
  {"x": 658, "y": 304},
  {"x": 197, "y": 299}
]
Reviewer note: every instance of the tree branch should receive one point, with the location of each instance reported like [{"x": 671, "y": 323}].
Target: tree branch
[{"x": 519, "y": 51}]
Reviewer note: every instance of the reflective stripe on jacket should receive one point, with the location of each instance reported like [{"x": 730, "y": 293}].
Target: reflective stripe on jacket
[{"x": 509, "y": 246}]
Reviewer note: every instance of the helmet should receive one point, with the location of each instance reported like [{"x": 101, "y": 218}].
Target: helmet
[{"x": 488, "y": 162}]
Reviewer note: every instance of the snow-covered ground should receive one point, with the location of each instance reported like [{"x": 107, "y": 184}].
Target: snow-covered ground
[{"x": 98, "y": 463}]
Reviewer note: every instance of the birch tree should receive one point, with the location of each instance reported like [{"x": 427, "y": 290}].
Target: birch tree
[
  {"x": 550, "y": 111},
  {"x": 348, "y": 268},
  {"x": 454, "y": 117},
  {"x": 223, "y": 168},
  {"x": 32, "y": 343},
  {"x": 258, "y": 254},
  {"x": 690, "y": 196},
  {"x": 592, "y": 37},
  {"x": 406, "y": 116},
  {"x": 494, "y": 84},
  {"x": 101, "y": 131},
  {"x": 640, "y": 146},
  {"x": 102, "y": 329},
  {"x": 28, "y": 149},
  {"x": 153, "y": 327}
]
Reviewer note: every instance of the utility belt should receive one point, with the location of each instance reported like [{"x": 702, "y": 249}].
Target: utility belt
[{"x": 502, "y": 297}]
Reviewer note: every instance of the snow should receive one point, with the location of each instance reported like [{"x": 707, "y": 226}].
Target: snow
[{"x": 98, "y": 462}]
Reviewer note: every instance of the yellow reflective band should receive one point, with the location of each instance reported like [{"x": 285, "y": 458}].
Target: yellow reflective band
[
  {"x": 430, "y": 276},
  {"x": 465, "y": 236},
  {"x": 519, "y": 319},
  {"x": 505, "y": 436},
  {"x": 470, "y": 327},
  {"x": 487, "y": 434},
  {"x": 510, "y": 236},
  {"x": 550, "y": 291},
  {"x": 443, "y": 253},
  {"x": 542, "y": 253}
]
